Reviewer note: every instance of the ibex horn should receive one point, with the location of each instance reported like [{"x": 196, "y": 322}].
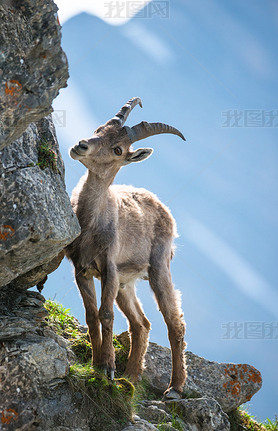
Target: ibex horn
[
  {"x": 144, "y": 130},
  {"x": 124, "y": 112}
]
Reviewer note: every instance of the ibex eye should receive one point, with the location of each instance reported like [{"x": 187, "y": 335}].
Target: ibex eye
[{"x": 118, "y": 151}]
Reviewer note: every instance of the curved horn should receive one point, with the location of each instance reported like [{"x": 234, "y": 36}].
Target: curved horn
[
  {"x": 124, "y": 112},
  {"x": 144, "y": 130}
]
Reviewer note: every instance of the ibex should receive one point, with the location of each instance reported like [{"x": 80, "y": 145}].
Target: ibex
[{"x": 126, "y": 234}]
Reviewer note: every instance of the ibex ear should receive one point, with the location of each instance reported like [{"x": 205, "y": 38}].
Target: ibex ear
[{"x": 138, "y": 155}]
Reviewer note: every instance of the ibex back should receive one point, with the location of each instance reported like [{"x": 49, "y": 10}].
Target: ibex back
[{"x": 126, "y": 234}]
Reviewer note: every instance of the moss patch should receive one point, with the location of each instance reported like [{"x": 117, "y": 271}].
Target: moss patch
[
  {"x": 47, "y": 157},
  {"x": 121, "y": 352},
  {"x": 110, "y": 401}
]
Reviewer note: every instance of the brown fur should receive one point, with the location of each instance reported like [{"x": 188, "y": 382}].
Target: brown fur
[{"x": 126, "y": 234}]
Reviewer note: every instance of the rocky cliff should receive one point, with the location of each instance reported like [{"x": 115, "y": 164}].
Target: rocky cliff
[
  {"x": 45, "y": 379},
  {"x": 46, "y": 382},
  {"x": 36, "y": 217}
]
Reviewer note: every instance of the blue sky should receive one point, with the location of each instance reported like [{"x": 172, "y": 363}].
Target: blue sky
[{"x": 210, "y": 68}]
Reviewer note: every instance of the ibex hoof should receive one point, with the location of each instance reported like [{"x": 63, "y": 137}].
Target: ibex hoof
[
  {"x": 171, "y": 394},
  {"x": 109, "y": 372}
]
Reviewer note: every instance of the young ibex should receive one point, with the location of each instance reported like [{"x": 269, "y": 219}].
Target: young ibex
[{"x": 126, "y": 234}]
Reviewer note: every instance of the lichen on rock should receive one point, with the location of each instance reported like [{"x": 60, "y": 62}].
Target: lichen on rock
[
  {"x": 33, "y": 66},
  {"x": 229, "y": 384}
]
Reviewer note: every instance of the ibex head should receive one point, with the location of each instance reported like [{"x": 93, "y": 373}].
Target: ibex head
[{"x": 110, "y": 145}]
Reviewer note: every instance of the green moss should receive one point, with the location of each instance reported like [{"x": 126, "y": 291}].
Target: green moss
[
  {"x": 111, "y": 400},
  {"x": 80, "y": 372},
  {"x": 121, "y": 352},
  {"x": 47, "y": 157},
  {"x": 82, "y": 348},
  {"x": 126, "y": 387}
]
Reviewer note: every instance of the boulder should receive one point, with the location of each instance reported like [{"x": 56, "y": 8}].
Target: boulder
[
  {"x": 31, "y": 364},
  {"x": 154, "y": 411},
  {"x": 194, "y": 414},
  {"x": 37, "y": 220},
  {"x": 36, "y": 392},
  {"x": 161, "y": 414},
  {"x": 202, "y": 414},
  {"x": 229, "y": 384},
  {"x": 33, "y": 66}
]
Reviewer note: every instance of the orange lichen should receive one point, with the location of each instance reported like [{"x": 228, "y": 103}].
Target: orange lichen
[
  {"x": 5, "y": 231},
  {"x": 254, "y": 376},
  {"x": 233, "y": 386},
  {"x": 13, "y": 87},
  {"x": 236, "y": 389},
  {"x": 237, "y": 374},
  {"x": 8, "y": 415}
]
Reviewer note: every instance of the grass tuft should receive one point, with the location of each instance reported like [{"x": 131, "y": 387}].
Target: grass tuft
[
  {"x": 47, "y": 157},
  {"x": 61, "y": 321},
  {"x": 241, "y": 420}
]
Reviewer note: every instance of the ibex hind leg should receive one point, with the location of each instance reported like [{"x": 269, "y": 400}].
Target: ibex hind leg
[
  {"x": 139, "y": 328},
  {"x": 169, "y": 304}
]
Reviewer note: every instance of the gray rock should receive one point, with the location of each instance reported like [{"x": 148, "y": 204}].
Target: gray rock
[
  {"x": 37, "y": 221},
  {"x": 33, "y": 66},
  {"x": 162, "y": 415},
  {"x": 158, "y": 366},
  {"x": 230, "y": 384},
  {"x": 35, "y": 390},
  {"x": 169, "y": 427},
  {"x": 202, "y": 414},
  {"x": 37, "y": 276},
  {"x": 140, "y": 425},
  {"x": 19, "y": 313},
  {"x": 154, "y": 412}
]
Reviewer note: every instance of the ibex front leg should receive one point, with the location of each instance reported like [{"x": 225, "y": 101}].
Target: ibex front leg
[
  {"x": 87, "y": 289},
  {"x": 109, "y": 289}
]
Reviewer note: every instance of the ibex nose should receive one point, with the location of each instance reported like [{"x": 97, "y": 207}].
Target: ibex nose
[{"x": 83, "y": 145}]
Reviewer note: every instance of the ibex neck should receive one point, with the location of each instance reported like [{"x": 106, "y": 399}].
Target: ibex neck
[
  {"x": 100, "y": 182},
  {"x": 97, "y": 187}
]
